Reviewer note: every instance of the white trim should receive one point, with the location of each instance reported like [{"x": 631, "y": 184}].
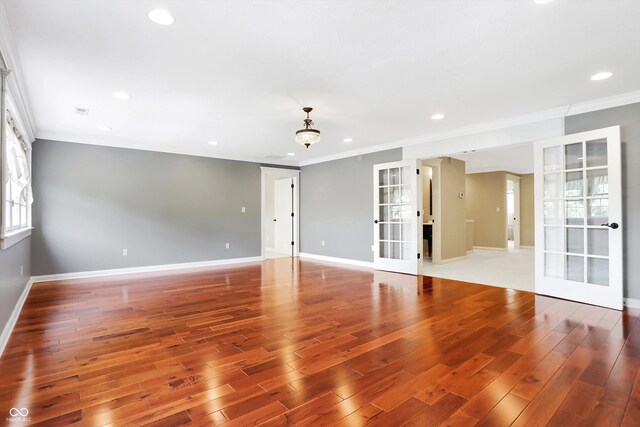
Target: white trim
[
  {"x": 16, "y": 82},
  {"x": 11, "y": 239},
  {"x": 514, "y": 121},
  {"x": 490, "y": 248},
  {"x": 448, "y": 260},
  {"x": 13, "y": 319},
  {"x": 366, "y": 264},
  {"x": 632, "y": 303},
  {"x": 285, "y": 173},
  {"x": 146, "y": 269}
]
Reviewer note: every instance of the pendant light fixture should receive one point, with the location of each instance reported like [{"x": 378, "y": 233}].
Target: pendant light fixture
[{"x": 307, "y": 136}]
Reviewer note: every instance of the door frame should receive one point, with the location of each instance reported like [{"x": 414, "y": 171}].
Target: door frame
[
  {"x": 266, "y": 171},
  {"x": 516, "y": 211}
]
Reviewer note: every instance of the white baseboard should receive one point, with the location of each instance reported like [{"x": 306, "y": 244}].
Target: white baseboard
[
  {"x": 489, "y": 248},
  {"x": 146, "y": 269},
  {"x": 632, "y": 302},
  {"x": 334, "y": 259},
  {"x": 448, "y": 260},
  {"x": 13, "y": 319}
]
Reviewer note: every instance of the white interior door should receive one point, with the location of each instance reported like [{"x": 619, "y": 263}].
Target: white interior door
[
  {"x": 397, "y": 205},
  {"x": 283, "y": 208},
  {"x": 578, "y": 203}
]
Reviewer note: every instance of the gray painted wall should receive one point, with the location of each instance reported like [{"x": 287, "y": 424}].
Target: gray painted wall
[
  {"x": 92, "y": 202},
  {"x": 628, "y": 117},
  {"x": 336, "y": 205},
  {"x": 11, "y": 282}
]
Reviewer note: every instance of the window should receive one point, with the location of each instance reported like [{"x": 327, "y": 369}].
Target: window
[
  {"x": 15, "y": 172},
  {"x": 17, "y": 180}
]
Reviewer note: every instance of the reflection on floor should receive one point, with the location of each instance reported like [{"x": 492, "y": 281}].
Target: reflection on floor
[
  {"x": 271, "y": 254},
  {"x": 513, "y": 269}
]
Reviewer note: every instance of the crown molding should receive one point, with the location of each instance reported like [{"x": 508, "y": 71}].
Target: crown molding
[
  {"x": 16, "y": 85},
  {"x": 44, "y": 137},
  {"x": 524, "y": 119}
]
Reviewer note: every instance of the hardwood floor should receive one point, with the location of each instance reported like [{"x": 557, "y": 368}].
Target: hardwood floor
[{"x": 307, "y": 343}]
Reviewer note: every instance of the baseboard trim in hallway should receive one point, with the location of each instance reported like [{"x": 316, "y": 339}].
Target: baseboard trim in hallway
[
  {"x": 336, "y": 259},
  {"x": 145, "y": 269}
]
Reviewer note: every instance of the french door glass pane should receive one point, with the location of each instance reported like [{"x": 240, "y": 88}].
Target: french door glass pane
[
  {"x": 575, "y": 240},
  {"x": 553, "y": 265},
  {"x": 598, "y": 212},
  {"x": 573, "y": 156},
  {"x": 383, "y": 177},
  {"x": 597, "y": 182},
  {"x": 598, "y": 241},
  {"x": 385, "y": 216},
  {"x": 553, "y": 212},
  {"x": 395, "y": 250},
  {"x": 574, "y": 212},
  {"x": 552, "y": 186},
  {"x": 573, "y": 186},
  {"x": 394, "y": 176},
  {"x": 384, "y": 249},
  {"x": 574, "y": 268},
  {"x": 552, "y": 158},
  {"x": 385, "y": 231},
  {"x": 553, "y": 239},
  {"x": 597, "y": 153},
  {"x": 598, "y": 271},
  {"x": 384, "y": 195}
]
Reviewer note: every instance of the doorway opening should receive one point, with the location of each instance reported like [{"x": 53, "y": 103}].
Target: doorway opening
[
  {"x": 280, "y": 212},
  {"x": 477, "y": 221}
]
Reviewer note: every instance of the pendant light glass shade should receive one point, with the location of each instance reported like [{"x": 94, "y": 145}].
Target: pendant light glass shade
[{"x": 307, "y": 136}]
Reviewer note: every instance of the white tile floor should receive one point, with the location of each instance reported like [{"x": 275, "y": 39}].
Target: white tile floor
[{"x": 507, "y": 269}]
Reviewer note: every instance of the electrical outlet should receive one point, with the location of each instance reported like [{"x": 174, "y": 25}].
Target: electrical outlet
[
  {"x": 226, "y": 246},
  {"x": 244, "y": 209},
  {"x": 498, "y": 209},
  {"x": 373, "y": 248},
  {"x": 323, "y": 243},
  {"x": 125, "y": 252}
]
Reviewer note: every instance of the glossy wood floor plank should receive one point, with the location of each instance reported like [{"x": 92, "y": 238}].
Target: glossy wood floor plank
[{"x": 287, "y": 342}]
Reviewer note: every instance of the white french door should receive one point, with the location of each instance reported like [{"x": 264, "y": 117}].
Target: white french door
[
  {"x": 397, "y": 205},
  {"x": 578, "y": 204}
]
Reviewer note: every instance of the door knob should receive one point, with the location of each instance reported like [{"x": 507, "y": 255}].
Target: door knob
[
  {"x": 274, "y": 220},
  {"x": 613, "y": 225},
  {"x": 375, "y": 221}
]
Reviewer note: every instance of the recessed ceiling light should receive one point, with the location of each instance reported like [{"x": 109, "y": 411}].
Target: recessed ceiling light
[
  {"x": 104, "y": 128},
  {"x": 438, "y": 116},
  {"x": 161, "y": 17},
  {"x": 291, "y": 154},
  {"x": 121, "y": 95},
  {"x": 601, "y": 76},
  {"x": 542, "y": 1},
  {"x": 347, "y": 139},
  {"x": 213, "y": 143}
]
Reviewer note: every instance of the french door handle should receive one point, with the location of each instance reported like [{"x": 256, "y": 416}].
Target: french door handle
[
  {"x": 613, "y": 225},
  {"x": 375, "y": 221}
]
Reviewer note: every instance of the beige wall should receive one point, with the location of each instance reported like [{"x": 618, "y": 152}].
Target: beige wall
[
  {"x": 487, "y": 206},
  {"x": 526, "y": 211},
  {"x": 453, "y": 213}
]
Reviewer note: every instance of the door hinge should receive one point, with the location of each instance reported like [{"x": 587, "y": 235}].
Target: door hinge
[
  {"x": 418, "y": 255},
  {"x": 418, "y": 171},
  {"x": 291, "y": 213},
  {"x": 418, "y": 213},
  {"x": 291, "y": 243},
  {"x": 291, "y": 185}
]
